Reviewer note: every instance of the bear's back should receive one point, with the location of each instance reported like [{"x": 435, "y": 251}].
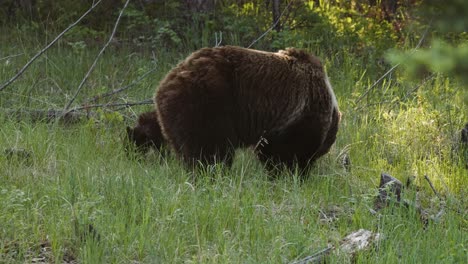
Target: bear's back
[
  {"x": 274, "y": 90},
  {"x": 264, "y": 91}
]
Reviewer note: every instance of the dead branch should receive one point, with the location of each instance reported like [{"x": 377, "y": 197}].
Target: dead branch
[
  {"x": 317, "y": 257},
  {"x": 67, "y": 106},
  {"x": 48, "y": 116},
  {"x": 389, "y": 190},
  {"x": 432, "y": 187},
  {"x": 72, "y": 116},
  {"x": 351, "y": 245},
  {"x": 108, "y": 105},
  {"x": 438, "y": 216},
  {"x": 272, "y": 27},
  {"x": 220, "y": 40},
  {"x": 20, "y": 72},
  {"x": 262, "y": 142},
  {"x": 11, "y": 56},
  {"x": 119, "y": 90}
]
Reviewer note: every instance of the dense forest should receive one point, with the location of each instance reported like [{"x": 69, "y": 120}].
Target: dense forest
[{"x": 75, "y": 74}]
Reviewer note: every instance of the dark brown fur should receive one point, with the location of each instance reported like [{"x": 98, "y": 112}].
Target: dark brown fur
[
  {"x": 146, "y": 134},
  {"x": 219, "y": 99}
]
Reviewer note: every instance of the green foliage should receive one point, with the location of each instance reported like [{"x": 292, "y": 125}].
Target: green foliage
[
  {"x": 165, "y": 35},
  {"x": 446, "y": 16},
  {"x": 441, "y": 57},
  {"x": 447, "y": 52},
  {"x": 357, "y": 30},
  {"x": 168, "y": 24},
  {"x": 146, "y": 30}
]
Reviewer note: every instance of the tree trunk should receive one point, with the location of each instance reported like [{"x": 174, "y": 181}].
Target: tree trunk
[
  {"x": 276, "y": 15},
  {"x": 203, "y": 6},
  {"x": 388, "y": 7}
]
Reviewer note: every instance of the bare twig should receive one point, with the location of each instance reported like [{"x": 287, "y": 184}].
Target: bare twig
[
  {"x": 11, "y": 56},
  {"x": 393, "y": 68},
  {"x": 317, "y": 257},
  {"x": 393, "y": 102},
  {"x": 353, "y": 243},
  {"x": 72, "y": 116},
  {"x": 220, "y": 40},
  {"x": 432, "y": 186},
  {"x": 100, "y": 96},
  {"x": 127, "y": 104},
  {"x": 262, "y": 141},
  {"x": 67, "y": 106},
  {"x": 20, "y": 72},
  {"x": 272, "y": 26},
  {"x": 389, "y": 190},
  {"x": 377, "y": 82},
  {"x": 443, "y": 204}
]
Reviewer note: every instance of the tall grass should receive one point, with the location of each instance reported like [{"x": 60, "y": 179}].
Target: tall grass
[{"x": 81, "y": 195}]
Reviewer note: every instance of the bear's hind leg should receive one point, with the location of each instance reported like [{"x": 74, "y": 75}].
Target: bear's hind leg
[{"x": 295, "y": 148}]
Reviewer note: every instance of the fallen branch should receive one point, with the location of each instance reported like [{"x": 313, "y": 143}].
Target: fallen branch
[
  {"x": 317, "y": 257},
  {"x": 48, "y": 116},
  {"x": 21, "y": 71},
  {"x": 67, "y": 106},
  {"x": 432, "y": 187},
  {"x": 353, "y": 243},
  {"x": 85, "y": 107},
  {"x": 438, "y": 216},
  {"x": 389, "y": 190},
  {"x": 72, "y": 116}
]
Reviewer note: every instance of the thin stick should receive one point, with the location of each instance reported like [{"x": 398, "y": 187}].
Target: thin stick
[
  {"x": 317, "y": 257},
  {"x": 143, "y": 102},
  {"x": 71, "y": 116},
  {"x": 272, "y": 27},
  {"x": 432, "y": 186},
  {"x": 99, "y": 96},
  {"x": 11, "y": 56},
  {"x": 393, "y": 68},
  {"x": 393, "y": 102},
  {"x": 20, "y": 72},
  {"x": 67, "y": 106}
]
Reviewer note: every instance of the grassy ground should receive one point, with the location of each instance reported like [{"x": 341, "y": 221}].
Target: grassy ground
[{"x": 77, "y": 196}]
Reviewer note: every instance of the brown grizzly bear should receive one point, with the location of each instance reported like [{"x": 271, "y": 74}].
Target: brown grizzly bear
[{"x": 219, "y": 99}]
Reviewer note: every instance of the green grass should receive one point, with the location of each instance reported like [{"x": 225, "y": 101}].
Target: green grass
[{"x": 152, "y": 211}]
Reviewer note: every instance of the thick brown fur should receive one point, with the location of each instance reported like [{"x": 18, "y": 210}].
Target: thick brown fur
[
  {"x": 146, "y": 134},
  {"x": 220, "y": 99}
]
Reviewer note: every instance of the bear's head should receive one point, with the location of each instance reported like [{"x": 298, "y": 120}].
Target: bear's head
[
  {"x": 464, "y": 134},
  {"x": 145, "y": 135}
]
